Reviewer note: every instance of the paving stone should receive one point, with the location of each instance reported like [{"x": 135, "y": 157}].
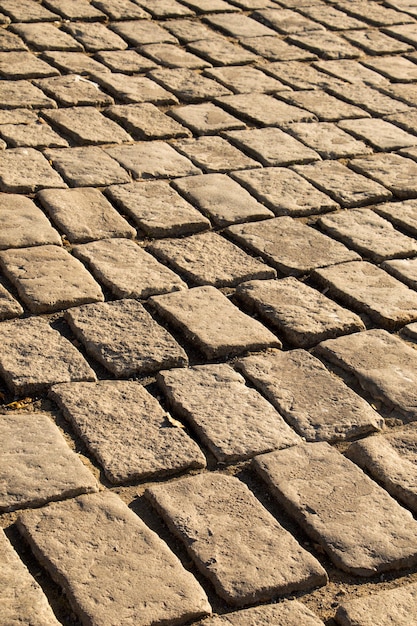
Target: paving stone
[
  {"x": 391, "y": 606},
  {"x": 95, "y": 36},
  {"x": 222, "y": 199},
  {"x": 9, "y": 307},
  {"x": 187, "y": 85},
  {"x": 18, "y": 116},
  {"x": 301, "y": 314},
  {"x": 23, "y": 599},
  {"x": 142, "y": 32},
  {"x": 214, "y": 154},
  {"x": 350, "y": 71},
  {"x": 409, "y": 152},
  {"x": 35, "y": 356},
  {"x": 22, "y": 94},
  {"x": 197, "y": 313},
  {"x": 147, "y": 348},
  {"x": 153, "y": 159},
  {"x": 238, "y": 25},
  {"x": 246, "y": 79},
  {"x": 285, "y": 192},
  {"x": 10, "y": 42},
  {"x": 135, "y": 89},
  {"x": 368, "y": 289},
  {"x": 395, "y": 172},
  {"x": 374, "y": 14},
  {"x": 39, "y": 465},
  {"x": 274, "y": 48},
  {"x": 84, "y": 215},
  {"x": 301, "y": 75},
  {"x": 219, "y": 50},
  {"x": 370, "y": 100},
  {"x": 126, "y": 269},
  {"x": 326, "y": 107},
  {"x": 188, "y": 30},
  {"x": 86, "y": 125},
  {"x": 170, "y": 55},
  {"x": 15, "y": 65},
  {"x": 370, "y": 533},
  {"x": 405, "y": 32},
  {"x": 331, "y": 17},
  {"x": 286, "y": 613},
  {"x": 75, "y": 10},
  {"x": 272, "y": 146},
  {"x": 214, "y": 6},
  {"x": 369, "y": 234},
  {"x": 325, "y": 44},
  {"x": 25, "y": 170},
  {"x": 92, "y": 541},
  {"x": 264, "y": 109},
  {"x": 402, "y": 214},
  {"x": 253, "y": 4},
  {"x": 397, "y": 69},
  {"x": 375, "y": 42},
  {"x": 290, "y": 246},
  {"x": 74, "y": 90},
  {"x": 407, "y": 93},
  {"x": 206, "y": 397},
  {"x": 121, "y": 9},
  {"x": 125, "y": 61},
  {"x": 408, "y": 6},
  {"x": 330, "y": 141},
  {"x": 286, "y": 21},
  {"x": 161, "y": 9},
  {"x": 22, "y": 224},
  {"x": 205, "y": 118},
  {"x": 158, "y": 210},
  {"x": 26, "y": 11},
  {"x": 48, "y": 278},
  {"x": 243, "y": 571},
  {"x": 46, "y": 36},
  {"x": 126, "y": 429},
  {"x": 341, "y": 183},
  {"x": 38, "y": 135},
  {"x": 208, "y": 259},
  {"x": 84, "y": 167},
  {"x": 75, "y": 62},
  {"x": 380, "y": 134},
  {"x": 404, "y": 270}
]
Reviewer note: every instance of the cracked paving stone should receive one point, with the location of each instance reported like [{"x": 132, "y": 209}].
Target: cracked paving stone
[
  {"x": 75, "y": 63},
  {"x": 84, "y": 215},
  {"x": 205, "y": 118},
  {"x": 85, "y": 167},
  {"x": 395, "y": 172},
  {"x": 219, "y": 50},
  {"x": 21, "y": 65},
  {"x": 375, "y": 42},
  {"x": 209, "y": 259},
  {"x": 397, "y": 69},
  {"x": 121, "y": 9},
  {"x": 39, "y": 465},
  {"x": 403, "y": 269},
  {"x": 9, "y": 42},
  {"x": 380, "y": 134},
  {"x": 146, "y": 121},
  {"x": 368, "y": 289},
  {"x": 402, "y": 214},
  {"x": 272, "y": 146},
  {"x": 48, "y": 278},
  {"x": 290, "y": 246},
  {"x": 286, "y": 613},
  {"x": 35, "y": 356},
  {"x": 25, "y": 170},
  {"x": 157, "y": 209},
  {"x": 86, "y": 125},
  {"x": 369, "y": 234},
  {"x": 214, "y": 154},
  {"x": 384, "y": 365},
  {"x": 75, "y": 10},
  {"x": 37, "y": 135},
  {"x": 126, "y": 269},
  {"x": 301, "y": 314},
  {"x": 9, "y": 307},
  {"x": 300, "y": 75},
  {"x": 327, "y": 108},
  {"x": 187, "y": 85},
  {"x": 286, "y": 21},
  {"x": 153, "y": 159},
  {"x": 264, "y": 109},
  {"x": 317, "y": 404},
  {"x": 90, "y": 543},
  {"x": 170, "y": 55},
  {"x": 238, "y": 25},
  {"x": 330, "y": 141},
  {"x": 393, "y": 606},
  {"x": 134, "y": 89},
  {"x": 244, "y": 571},
  {"x": 369, "y": 99},
  {"x": 26, "y": 11},
  {"x": 46, "y": 36},
  {"x": 74, "y": 90},
  {"x": 218, "y": 328},
  {"x": 22, "y": 224},
  {"x": 326, "y": 45},
  {"x": 349, "y": 71},
  {"x": 285, "y": 192},
  {"x": 142, "y": 32},
  {"x": 246, "y": 80},
  {"x": 96, "y": 37},
  {"x": 206, "y": 397},
  {"x": 147, "y": 348},
  {"x": 126, "y": 429},
  {"x": 342, "y": 184},
  {"x": 221, "y": 199},
  {"x": 274, "y": 48},
  {"x": 23, "y": 599},
  {"x": 370, "y": 532},
  {"x": 125, "y": 61}
]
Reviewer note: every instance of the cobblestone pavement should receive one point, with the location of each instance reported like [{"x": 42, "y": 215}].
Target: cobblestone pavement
[{"x": 208, "y": 312}]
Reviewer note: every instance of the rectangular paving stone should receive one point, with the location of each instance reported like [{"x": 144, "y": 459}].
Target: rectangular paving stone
[
  {"x": 317, "y": 404},
  {"x": 232, "y": 420},
  {"x": 87, "y": 167},
  {"x": 141, "y": 32},
  {"x": 219, "y": 50},
  {"x": 380, "y": 134},
  {"x": 188, "y": 85},
  {"x": 170, "y": 55},
  {"x": 348, "y": 188},
  {"x": 126, "y": 429},
  {"x": 207, "y": 318},
  {"x": 238, "y": 25},
  {"x": 21, "y": 94},
  {"x": 135, "y": 89},
  {"x": 22, "y": 598},
  {"x": 286, "y": 21},
  {"x": 222, "y": 199},
  {"x": 188, "y": 30},
  {"x": 15, "y": 65},
  {"x": 146, "y": 348},
  {"x": 157, "y": 209},
  {"x": 37, "y": 135},
  {"x": 46, "y": 36},
  {"x": 86, "y": 125},
  {"x": 246, "y": 79},
  {"x": 301, "y": 314},
  {"x": 25, "y": 170},
  {"x": 374, "y": 14},
  {"x": 368, "y": 99},
  {"x": 376, "y": 42},
  {"x": 209, "y": 259},
  {"x": 351, "y": 71},
  {"x": 74, "y": 90},
  {"x": 153, "y": 159},
  {"x": 35, "y": 356},
  {"x": 300, "y": 75},
  {"x": 404, "y": 32},
  {"x": 95, "y": 36},
  {"x": 404, "y": 270},
  {"x": 161, "y": 9},
  {"x": 244, "y": 571},
  {"x": 264, "y": 109},
  {"x": 126, "y": 269},
  {"x": 395, "y": 68},
  {"x": 290, "y": 246},
  {"x": 330, "y": 141},
  {"x": 39, "y": 466},
  {"x": 23, "y": 224},
  {"x": 402, "y": 214},
  {"x": 125, "y": 61},
  {"x": 84, "y": 214},
  {"x": 71, "y": 9},
  {"x": 369, "y": 234},
  {"x": 393, "y": 606},
  {"x": 327, "y": 108},
  {"x": 214, "y": 154},
  {"x": 92, "y": 541},
  {"x": 9, "y": 307},
  {"x": 205, "y": 118},
  {"x": 272, "y": 146},
  {"x": 395, "y": 172},
  {"x": 331, "y": 17},
  {"x": 214, "y": 6},
  {"x": 325, "y": 44},
  {"x": 406, "y": 92},
  {"x": 121, "y": 9},
  {"x": 18, "y": 116},
  {"x": 371, "y": 532},
  {"x": 9, "y": 42},
  {"x": 286, "y": 613},
  {"x": 274, "y": 48},
  {"x": 74, "y": 62},
  {"x": 48, "y": 278},
  {"x": 146, "y": 121}
]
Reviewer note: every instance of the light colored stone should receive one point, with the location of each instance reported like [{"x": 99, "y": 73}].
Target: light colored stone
[
  {"x": 395, "y": 172},
  {"x": 134, "y": 89},
  {"x": 125, "y": 61},
  {"x": 86, "y": 125},
  {"x": 170, "y": 55},
  {"x": 352, "y": 71},
  {"x": 21, "y": 94},
  {"x": 370, "y": 100},
  {"x": 38, "y": 135},
  {"x": 146, "y": 121},
  {"x": 238, "y": 25},
  {"x": 142, "y": 32},
  {"x": 74, "y": 90},
  {"x": 46, "y": 36},
  {"x": 205, "y": 118},
  {"x": 95, "y": 36},
  {"x": 25, "y": 170},
  {"x": 403, "y": 269},
  {"x": 286, "y": 21},
  {"x": 246, "y": 79},
  {"x": 75, "y": 62},
  {"x": 15, "y": 65},
  {"x": 274, "y": 48},
  {"x": 264, "y": 109},
  {"x": 326, "y": 44},
  {"x": 9, "y": 307},
  {"x": 330, "y": 141},
  {"x": 153, "y": 159},
  {"x": 187, "y": 85},
  {"x": 326, "y": 107},
  {"x": 286, "y": 613},
  {"x": 87, "y": 167},
  {"x": 22, "y": 224},
  {"x": 214, "y": 154},
  {"x": 380, "y": 134},
  {"x": 112, "y": 567}
]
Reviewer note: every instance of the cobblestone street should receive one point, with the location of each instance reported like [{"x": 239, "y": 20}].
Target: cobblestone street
[{"x": 208, "y": 312}]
